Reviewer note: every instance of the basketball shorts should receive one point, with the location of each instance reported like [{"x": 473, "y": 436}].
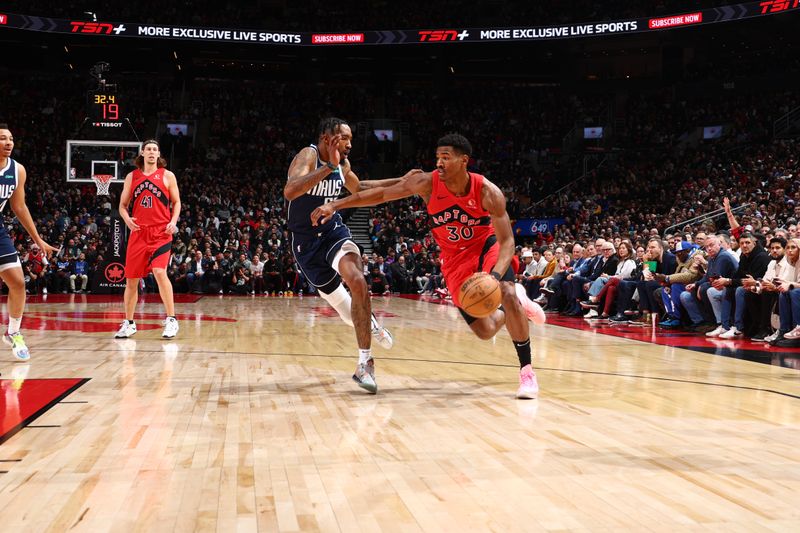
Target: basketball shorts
[
  {"x": 483, "y": 262},
  {"x": 9, "y": 258},
  {"x": 148, "y": 248},
  {"x": 318, "y": 256}
]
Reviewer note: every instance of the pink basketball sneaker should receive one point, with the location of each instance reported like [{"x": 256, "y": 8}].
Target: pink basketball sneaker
[
  {"x": 532, "y": 309},
  {"x": 528, "y": 386}
]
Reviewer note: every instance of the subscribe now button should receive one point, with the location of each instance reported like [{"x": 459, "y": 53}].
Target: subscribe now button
[{"x": 337, "y": 38}]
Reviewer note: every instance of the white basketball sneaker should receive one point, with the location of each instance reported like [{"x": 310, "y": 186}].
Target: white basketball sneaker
[
  {"x": 126, "y": 329},
  {"x": 171, "y": 328},
  {"x": 365, "y": 376},
  {"x": 18, "y": 346},
  {"x": 381, "y": 334},
  {"x": 383, "y": 337}
]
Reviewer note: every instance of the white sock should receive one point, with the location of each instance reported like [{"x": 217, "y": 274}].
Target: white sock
[
  {"x": 340, "y": 300},
  {"x": 364, "y": 355},
  {"x": 13, "y": 324}
]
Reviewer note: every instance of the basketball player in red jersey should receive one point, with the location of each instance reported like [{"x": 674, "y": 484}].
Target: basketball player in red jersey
[
  {"x": 471, "y": 226},
  {"x": 152, "y": 188}
]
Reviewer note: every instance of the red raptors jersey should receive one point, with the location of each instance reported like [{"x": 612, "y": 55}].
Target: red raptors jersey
[
  {"x": 150, "y": 198},
  {"x": 460, "y": 223}
]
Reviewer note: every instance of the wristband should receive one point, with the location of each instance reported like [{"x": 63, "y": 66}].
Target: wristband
[
  {"x": 495, "y": 275},
  {"x": 330, "y": 165}
]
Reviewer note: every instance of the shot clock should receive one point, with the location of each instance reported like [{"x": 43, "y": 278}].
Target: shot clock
[{"x": 105, "y": 109}]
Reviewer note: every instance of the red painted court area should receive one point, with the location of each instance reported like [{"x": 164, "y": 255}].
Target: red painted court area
[{"x": 23, "y": 401}]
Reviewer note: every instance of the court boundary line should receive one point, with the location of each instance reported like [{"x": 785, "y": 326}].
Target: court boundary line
[{"x": 479, "y": 363}]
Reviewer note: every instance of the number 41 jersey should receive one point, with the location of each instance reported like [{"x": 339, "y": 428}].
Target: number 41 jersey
[
  {"x": 460, "y": 223},
  {"x": 150, "y": 198}
]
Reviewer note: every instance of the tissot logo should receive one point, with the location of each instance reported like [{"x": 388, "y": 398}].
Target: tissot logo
[
  {"x": 103, "y": 28},
  {"x": 3, "y": 19},
  {"x": 442, "y": 35}
]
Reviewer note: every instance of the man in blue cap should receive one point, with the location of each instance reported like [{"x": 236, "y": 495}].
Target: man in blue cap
[{"x": 688, "y": 271}]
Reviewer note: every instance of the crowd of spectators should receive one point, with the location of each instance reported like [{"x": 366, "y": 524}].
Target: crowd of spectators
[{"x": 232, "y": 179}]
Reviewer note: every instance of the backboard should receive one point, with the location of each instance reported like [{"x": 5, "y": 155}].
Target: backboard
[{"x": 88, "y": 158}]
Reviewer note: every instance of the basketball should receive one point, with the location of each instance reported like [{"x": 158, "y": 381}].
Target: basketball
[{"x": 480, "y": 295}]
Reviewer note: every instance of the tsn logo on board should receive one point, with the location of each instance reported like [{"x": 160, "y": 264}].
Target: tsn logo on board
[
  {"x": 431, "y": 36},
  {"x": 103, "y": 28}
]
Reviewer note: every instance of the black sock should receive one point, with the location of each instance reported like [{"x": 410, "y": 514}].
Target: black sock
[
  {"x": 131, "y": 322},
  {"x": 523, "y": 351}
]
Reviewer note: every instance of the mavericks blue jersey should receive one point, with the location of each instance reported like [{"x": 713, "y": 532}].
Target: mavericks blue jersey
[
  {"x": 298, "y": 213},
  {"x": 8, "y": 183}
]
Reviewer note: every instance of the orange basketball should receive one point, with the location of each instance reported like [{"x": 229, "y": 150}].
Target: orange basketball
[{"x": 480, "y": 295}]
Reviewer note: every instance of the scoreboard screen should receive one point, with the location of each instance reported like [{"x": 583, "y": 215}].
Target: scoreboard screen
[{"x": 105, "y": 109}]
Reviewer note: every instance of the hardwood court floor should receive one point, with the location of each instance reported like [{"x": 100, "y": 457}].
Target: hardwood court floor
[{"x": 249, "y": 421}]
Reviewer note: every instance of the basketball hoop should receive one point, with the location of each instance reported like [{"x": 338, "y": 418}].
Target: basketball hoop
[{"x": 103, "y": 181}]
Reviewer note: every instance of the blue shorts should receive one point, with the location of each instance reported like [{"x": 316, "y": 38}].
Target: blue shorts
[
  {"x": 315, "y": 254},
  {"x": 8, "y": 254}
]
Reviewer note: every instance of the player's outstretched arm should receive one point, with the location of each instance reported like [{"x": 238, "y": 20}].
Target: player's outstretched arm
[
  {"x": 20, "y": 209},
  {"x": 414, "y": 182},
  {"x": 354, "y": 184},
  {"x": 303, "y": 172},
  {"x": 124, "y": 200},
  {"x": 494, "y": 201}
]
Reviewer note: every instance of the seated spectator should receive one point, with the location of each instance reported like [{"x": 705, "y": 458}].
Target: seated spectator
[
  {"x": 788, "y": 286},
  {"x": 688, "y": 271},
  {"x": 80, "y": 270},
  {"x": 753, "y": 261},
  {"x": 762, "y": 295},
  {"x": 241, "y": 281},
  {"x": 649, "y": 302},
  {"x": 605, "y": 264},
  {"x": 702, "y": 302},
  {"x": 402, "y": 277},
  {"x": 626, "y": 270},
  {"x": 272, "y": 274},
  {"x": 257, "y": 275},
  {"x": 377, "y": 282}
]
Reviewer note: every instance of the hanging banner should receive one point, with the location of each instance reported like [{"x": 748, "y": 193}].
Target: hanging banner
[{"x": 107, "y": 29}]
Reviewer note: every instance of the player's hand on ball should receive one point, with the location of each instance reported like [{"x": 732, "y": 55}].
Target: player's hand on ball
[{"x": 322, "y": 214}]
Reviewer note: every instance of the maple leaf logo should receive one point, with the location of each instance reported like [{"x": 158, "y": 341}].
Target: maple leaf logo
[{"x": 115, "y": 273}]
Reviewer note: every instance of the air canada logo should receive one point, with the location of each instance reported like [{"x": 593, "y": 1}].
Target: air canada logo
[{"x": 115, "y": 272}]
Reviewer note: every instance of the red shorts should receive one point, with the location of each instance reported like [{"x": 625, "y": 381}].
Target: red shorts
[
  {"x": 148, "y": 248},
  {"x": 463, "y": 267}
]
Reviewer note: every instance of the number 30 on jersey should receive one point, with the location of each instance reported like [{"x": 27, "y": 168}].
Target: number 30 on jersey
[{"x": 458, "y": 233}]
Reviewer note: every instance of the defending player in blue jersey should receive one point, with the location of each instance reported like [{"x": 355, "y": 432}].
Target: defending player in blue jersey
[
  {"x": 12, "y": 191},
  {"x": 327, "y": 254}
]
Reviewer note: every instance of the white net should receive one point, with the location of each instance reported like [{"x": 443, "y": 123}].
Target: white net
[{"x": 103, "y": 181}]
